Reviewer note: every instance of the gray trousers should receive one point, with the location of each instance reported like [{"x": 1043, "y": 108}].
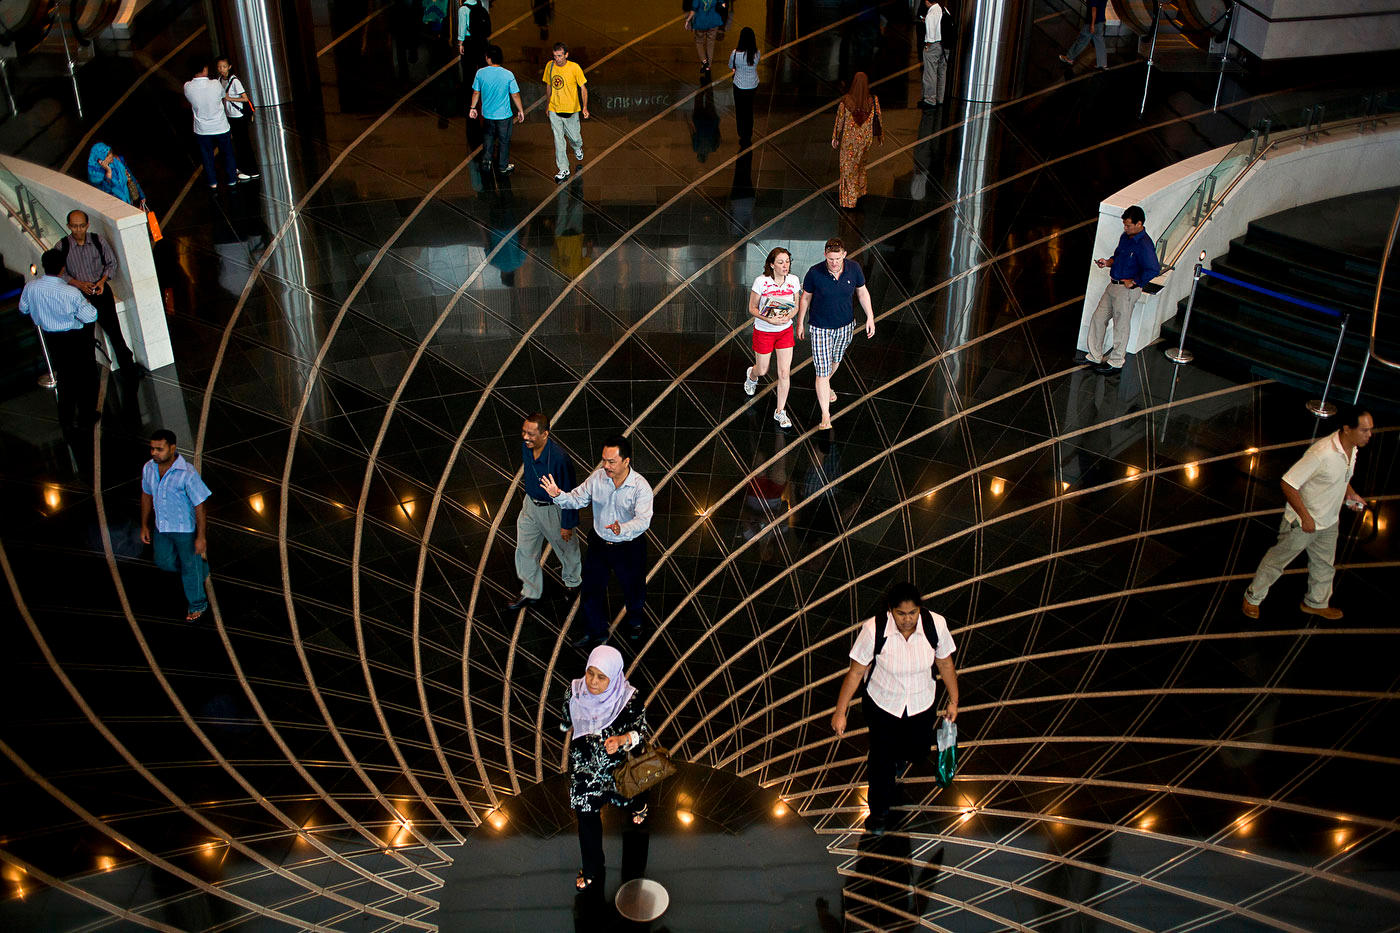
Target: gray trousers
[
  {"x": 1116, "y": 305},
  {"x": 1321, "y": 546},
  {"x": 1085, "y": 34},
  {"x": 536, "y": 525},
  {"x": 935, "y": 72},
  {"x": 566, "y": 128}
]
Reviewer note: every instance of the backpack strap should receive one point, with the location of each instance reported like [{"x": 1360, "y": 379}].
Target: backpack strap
[{"x": 926, "y": 617}]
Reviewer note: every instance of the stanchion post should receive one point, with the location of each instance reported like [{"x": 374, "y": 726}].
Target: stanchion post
[
  {"x": 1180, "y": 354},
  {"x": 1224, "y": 54},
  {"x": 1320, "y": 406},
  {"x": 47, "y": 380},
  {"x": 1151, "y": 54}
]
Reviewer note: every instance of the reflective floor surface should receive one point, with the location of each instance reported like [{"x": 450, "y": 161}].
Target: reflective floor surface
[{"x": 359, "y": 335}]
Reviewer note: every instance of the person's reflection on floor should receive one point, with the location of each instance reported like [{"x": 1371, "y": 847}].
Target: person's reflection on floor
[
  {"x": 827, "y": 922},
  {"x": 742, "y": 196},
  {"x": 569, "y": 249},
  {"x": 766, "y": 498},
  {"x": 819, "y": 506},
  {"x": 704, "y": 124},
  {"x": 928, "y": 155},
  {"x": 503, "y": 219}
]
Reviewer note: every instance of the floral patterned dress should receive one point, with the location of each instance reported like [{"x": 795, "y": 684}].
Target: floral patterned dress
[
  {"x": 591, "y": 782},
  {"x": 854, "y": 141}
]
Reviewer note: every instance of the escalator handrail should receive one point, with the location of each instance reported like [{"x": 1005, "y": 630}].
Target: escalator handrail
[{"x": 1380, "y": 282}]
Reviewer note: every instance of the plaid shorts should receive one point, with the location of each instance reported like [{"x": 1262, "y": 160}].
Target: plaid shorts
[{"x": 828, "y": 346}]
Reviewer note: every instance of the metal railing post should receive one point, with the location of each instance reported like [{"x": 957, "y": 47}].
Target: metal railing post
[
  {"x": 1268, "y": 127},
  {"x": 1180, "y": 354},
  {"x": 1321, "y": 407},
  {"x": 1210, "y": 192},
  {"x": 72, "y": 65},
  {"x": 1151, "y": 55},
  {"x": 5, "y": 80},
  {"x": 1224, "y": 54},
  {"x": 47, "y": 380}
]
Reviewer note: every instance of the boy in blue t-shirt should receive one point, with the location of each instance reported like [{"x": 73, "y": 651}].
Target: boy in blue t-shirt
[{"x": 493, "y": 91}]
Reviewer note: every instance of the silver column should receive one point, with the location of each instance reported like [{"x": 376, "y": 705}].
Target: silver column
[
  {"x": 259, "y": 50},
  {"x": 992, "y": 39}
]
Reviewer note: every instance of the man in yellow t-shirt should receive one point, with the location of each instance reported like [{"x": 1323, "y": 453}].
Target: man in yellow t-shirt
[{"x": 568, "y": 96}]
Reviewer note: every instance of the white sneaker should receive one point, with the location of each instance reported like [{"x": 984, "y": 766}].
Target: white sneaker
[
  {"x": 783, "y": 420},
  {"x": 750, "y": 384},
  {"x": 242, "y": 176},
  {"x": 562, "y": 176},
  {"x": 578, "y": 156}
]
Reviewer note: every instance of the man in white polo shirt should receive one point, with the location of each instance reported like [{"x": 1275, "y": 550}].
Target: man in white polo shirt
[
  {"x": 935, "y": 77},
  {"x": 211, "y": 129},
  {"x": 1316, "y": 487}
]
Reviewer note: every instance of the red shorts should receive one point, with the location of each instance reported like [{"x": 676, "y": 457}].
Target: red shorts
[{"x": 765, "y": 341}]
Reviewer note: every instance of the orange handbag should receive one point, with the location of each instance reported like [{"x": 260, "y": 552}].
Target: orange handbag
[{"x": 154, "y": 226}]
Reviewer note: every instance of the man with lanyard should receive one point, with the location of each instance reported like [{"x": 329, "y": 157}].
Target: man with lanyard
[
  {"x": 540, "y": 519},
  {"x": 935, "y": 76},
  {"x": 65, "y": 317},
  {"x": 568, "y": 97},
  {"x": 827, "y": 289},
  {"x": 88, "y": 267},
  {"x": 621, "y": 499},
  {"x": 175, "y": 494},
  {"x": 900, "y": 691},
  {"x": 1316, "y": 488},
  {"x": 1133, "y": 265}
]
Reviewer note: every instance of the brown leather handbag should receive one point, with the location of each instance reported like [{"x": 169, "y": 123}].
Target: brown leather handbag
[{"x": 643, "y": 771}]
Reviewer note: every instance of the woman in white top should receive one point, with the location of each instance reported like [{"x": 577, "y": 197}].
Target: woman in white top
[
  {"x": 899, "y": 695},
  {"x": 772, "y": 304},
  {"x": 744, "y": 63}
]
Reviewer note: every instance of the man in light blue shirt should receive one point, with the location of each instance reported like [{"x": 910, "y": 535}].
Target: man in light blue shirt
[
  {"x": 174, "y": 494},
  {"x": 621, "y": 500},
  {"x": 66, "y": 318},
  {"x": 493, "y": 90}
]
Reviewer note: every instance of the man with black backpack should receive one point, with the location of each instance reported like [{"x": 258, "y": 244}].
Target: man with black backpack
[
  {"x": 938, "y": 39},
  {"x": 89, "y": 263},
  {"x": 894, "y": 661}
]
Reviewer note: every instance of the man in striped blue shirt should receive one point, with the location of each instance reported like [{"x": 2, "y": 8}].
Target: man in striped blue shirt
[
  {"x": 66, "y": 319},
  {"x": 174, "y": 495}
]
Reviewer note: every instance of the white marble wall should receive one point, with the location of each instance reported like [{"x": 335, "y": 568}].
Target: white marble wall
[
  {"x": 1301, "y": 28},
  {"x": 139, "y": 304},
  {"x": 1292, "y": 175}
]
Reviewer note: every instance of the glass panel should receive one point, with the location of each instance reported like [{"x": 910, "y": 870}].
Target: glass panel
[{"x": 21, "y": 204}]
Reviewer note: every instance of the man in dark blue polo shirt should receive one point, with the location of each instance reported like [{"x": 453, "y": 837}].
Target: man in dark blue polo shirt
[
  {"x": 1133, "y": 265},
  {"x": 827, "y": 290},
  {"x": 540, "y": 519}
]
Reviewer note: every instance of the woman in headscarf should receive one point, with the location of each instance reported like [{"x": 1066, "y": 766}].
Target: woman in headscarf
[
  {"x": 108, "y": 171},
  {"x": 608, "y": 719},
  {"x": 857, "y": 126}
]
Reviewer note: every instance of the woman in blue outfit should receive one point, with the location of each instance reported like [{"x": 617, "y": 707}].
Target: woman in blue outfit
[
  {"x": 608, "y": 718},
  {"x": 108, "y": 171}
]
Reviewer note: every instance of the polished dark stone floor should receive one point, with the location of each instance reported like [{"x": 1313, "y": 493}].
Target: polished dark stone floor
[{"x": 359, "y": 335}]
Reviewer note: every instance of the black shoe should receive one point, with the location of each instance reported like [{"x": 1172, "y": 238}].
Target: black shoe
[
  {"x": 568, "y": 594},
  {"x": 634, "y": 632},
  {"x": 1103, "y": 369},
  {"x": 485, "y": 165},
  {"x": 587, "y": 641},
  {"x": 876, "y": 825},
  {"x": 522, "y": 603},
  {"x": 926, "y": 105},
  {"x": 901, "y": 768}
]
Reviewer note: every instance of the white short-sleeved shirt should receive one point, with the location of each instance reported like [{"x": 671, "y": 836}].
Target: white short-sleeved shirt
[
  {"x": 902, "y": 679},
  {"x": 769, "y": 290},
  {"x": 206, "y": 97},
  {"x": 234, "y": 88},
  {"x": 1321, "y": 478}
]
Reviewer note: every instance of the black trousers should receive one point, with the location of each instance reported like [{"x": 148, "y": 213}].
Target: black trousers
[
  {"x": 75, "y": 368},
  {"x": 590, "y": 835},
  {"x": 627, "y": 559},
  {"x": 242, "y": 129},
  {"x": 893, "y": 739},
  {"x": 743, "y": 112},
  {"x": 106, "y": 305}
]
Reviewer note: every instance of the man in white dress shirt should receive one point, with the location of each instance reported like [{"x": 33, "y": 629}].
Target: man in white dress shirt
[
  {"x": 1316, "y": 487},
  {"x": 935, "y": 76},
  {"x": 900, "y": 692},
  {"x": 621, "y": 500},
  {"x": 211, "y": 129}
]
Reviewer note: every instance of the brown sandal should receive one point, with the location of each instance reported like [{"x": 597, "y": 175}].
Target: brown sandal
[{"x": 582, "y": 883}]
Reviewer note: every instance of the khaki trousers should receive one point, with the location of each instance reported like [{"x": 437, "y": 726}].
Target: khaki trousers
[
  {"x": 1116, "y": 305},
  {"x": 1321, "y": 546},
  {"x": 536, "y": 525}
]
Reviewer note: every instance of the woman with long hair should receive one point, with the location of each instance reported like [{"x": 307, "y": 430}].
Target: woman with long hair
[
  {"x": 743, "y": 61},
  {"x": 608, "y": 718},
  {"x": 772, "y": 304},
  {"x": 857, "y": 127}
]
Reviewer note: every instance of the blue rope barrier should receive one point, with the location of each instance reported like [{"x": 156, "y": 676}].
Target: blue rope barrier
[
  {"x": 11, "y": 294},
  {"x": 1270, "y": 292}
]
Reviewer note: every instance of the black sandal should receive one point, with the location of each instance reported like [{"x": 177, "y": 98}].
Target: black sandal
[
  {"x": 639, "y": 816},
  {"x": 582, "y": 883}
]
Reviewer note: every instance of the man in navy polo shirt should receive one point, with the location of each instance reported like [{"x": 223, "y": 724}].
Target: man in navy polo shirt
[
  {"x": 826, "y": 292},
  {"x": 1133, "y": 265}
]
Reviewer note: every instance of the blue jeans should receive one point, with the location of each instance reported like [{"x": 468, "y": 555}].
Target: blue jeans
[
  {"x": 498, "y": 133},
  {"x": 174, "y": 552},
  {"x": 206, "y": 152},
  {"x": 1082, "y": 42}
]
